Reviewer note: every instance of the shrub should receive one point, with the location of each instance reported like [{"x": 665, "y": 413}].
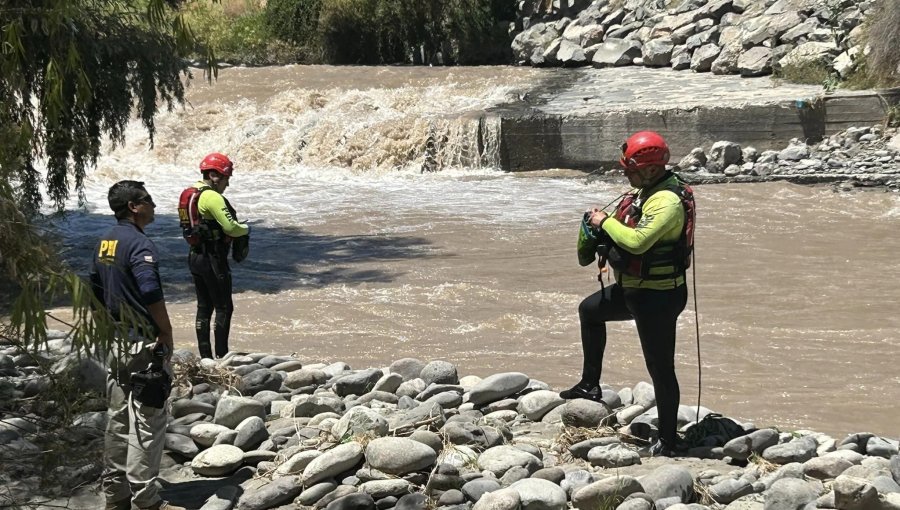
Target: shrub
[
  {"x": 238, "y": 32},
  {"x": 883, "y": 61},
  {"x": 295, "y": 21},
  {"x": 390, "y": 31},
  {"x": 364, "y": 31},
  {"x": 477, "y": 29},
  {"x": 811, "y": 72}
]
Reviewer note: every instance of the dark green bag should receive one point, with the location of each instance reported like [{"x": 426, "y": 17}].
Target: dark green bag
[{"x": 588, "y": 241}]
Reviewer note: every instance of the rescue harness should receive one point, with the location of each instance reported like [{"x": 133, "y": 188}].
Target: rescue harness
[{"x": 675, "y": 255}]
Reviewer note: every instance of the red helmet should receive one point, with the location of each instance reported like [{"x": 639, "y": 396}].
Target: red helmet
[
  {"x": 217, "y": 163},
  {"x": 643, "y": 149}
]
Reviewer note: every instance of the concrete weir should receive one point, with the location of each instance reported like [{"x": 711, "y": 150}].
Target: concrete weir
[{"x": 578, "y": 118}]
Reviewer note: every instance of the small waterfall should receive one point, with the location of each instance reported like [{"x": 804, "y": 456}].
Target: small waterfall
[
  {"x": 465, "y": 142},
  {"x": 419, "y": 127}
]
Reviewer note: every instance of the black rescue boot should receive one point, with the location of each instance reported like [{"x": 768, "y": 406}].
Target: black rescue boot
[
  {"x": 663, "y": 448},
  {"x": 583, "y": 390}
]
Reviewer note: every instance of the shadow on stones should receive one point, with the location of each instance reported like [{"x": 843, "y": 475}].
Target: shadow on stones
[{"x": 195, "y": 493}]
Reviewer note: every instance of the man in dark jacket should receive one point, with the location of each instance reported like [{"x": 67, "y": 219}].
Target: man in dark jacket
[{"x": 125, "y": 279}]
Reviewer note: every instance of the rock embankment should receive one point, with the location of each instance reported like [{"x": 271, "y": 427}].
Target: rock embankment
[
  {"x": 746, "y": 37},
  {"x": 855, "y": 158},
  {"x": 259, "y": 431}
]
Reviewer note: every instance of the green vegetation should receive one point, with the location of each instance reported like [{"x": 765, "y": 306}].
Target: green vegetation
[
  {"x": 296, "y": 21},
  {"x": 73, "y": 72},
  {"x": 813, "y": 72},
  {"x": 893, "y": 115},
  {"x": 355, "y": 31},
  {"x": 238, "y": 32}
]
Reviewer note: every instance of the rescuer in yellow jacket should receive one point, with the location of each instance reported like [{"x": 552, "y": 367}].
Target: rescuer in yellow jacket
[
  {"x": 214, "y": 229},
  {"x": 648, "y": 242}
]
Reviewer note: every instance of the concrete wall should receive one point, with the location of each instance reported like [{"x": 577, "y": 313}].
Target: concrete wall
[
  {"x": 533, "y": 141},
  {"x": 858, "y": 108}
]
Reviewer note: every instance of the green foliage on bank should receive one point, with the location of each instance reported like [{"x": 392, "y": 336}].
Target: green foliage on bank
[
  {"x": 811, "y": 72},
  {"x": 366, "y": 32},
  {"x": 239, "y": 33},
  {"x": 73, "y": 73},
  {"x": 296, "y": 22}
]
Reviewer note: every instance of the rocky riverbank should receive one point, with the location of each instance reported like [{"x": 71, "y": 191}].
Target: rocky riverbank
[
  {"x": 750, "y": 38},
  {"x": 865, "y": 157},
  {"x": 258, "y": 431}
]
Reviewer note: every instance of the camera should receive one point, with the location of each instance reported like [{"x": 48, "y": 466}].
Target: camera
[{"x": 152, "y": 385}]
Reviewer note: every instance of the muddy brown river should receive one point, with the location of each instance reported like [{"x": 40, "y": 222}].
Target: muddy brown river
[{"x": 357, "y": 256}]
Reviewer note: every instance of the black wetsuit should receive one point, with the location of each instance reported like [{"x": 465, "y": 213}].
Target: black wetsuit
[
  {"x": 654, "y": 302},
  {"x": 208, "y": 263},
  {"x": 655, "y": 313},
  {"x": 212, "y": 281}
]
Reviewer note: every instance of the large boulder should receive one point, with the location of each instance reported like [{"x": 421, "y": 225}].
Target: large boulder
[
  {"x": 615, "y": 52},
  {"x": 357, "y": 383},
  {"x": 538, "y": 494},
  {"x": 232, "y": 410},
  {"x": 399, "y": 455},
  {"x": 333, "y": 462},
  {"x": 408, "y": 368},
  {"x": 669, "y": 481},
  {"x": 439, "y": 372},
  {"x": 608, "y": 491},
  {"x": 756, "y": 61},
  {"x": 500, "y": 459},
  {"x": 657, "y": 52},
  {"x": 220, "y": 460},
  {"x": 570, "y": 54},
  {"x": 809, "y": 52},
  {"x": 497, "y": 387},
  {"x": 360, "y": 421},
  {"x": 536, "y": 404},
  {"x": 537, "y": 36}
]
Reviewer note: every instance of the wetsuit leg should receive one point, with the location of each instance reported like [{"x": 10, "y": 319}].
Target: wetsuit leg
[
  {"x": 655, "y": 315},
  {"x": 594, "y": 312},
  {"x": 204, "y": 283},
  {"x": 224, "y": 305}
]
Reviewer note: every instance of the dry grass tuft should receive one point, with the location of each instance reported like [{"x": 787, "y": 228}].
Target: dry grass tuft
[
  {"x": 189, "y": 372},
  {"x": 883, "y": 61},
  {"x": 573, "y": 435},
  {"x": 704, "y": 496},
  {"x": 765, "y": 467}
]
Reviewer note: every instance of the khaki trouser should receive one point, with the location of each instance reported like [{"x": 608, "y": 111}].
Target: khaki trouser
[{"x": 135, "y": 437}]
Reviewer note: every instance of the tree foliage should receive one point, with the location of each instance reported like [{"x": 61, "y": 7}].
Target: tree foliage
[
  {"x": 295, "y": 21},
  {"x": 71, "y": 73},
  {"x": 74, "y": 70}
]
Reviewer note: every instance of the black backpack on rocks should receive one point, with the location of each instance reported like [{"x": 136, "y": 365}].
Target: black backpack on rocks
[{"x": 713, "y": 430}]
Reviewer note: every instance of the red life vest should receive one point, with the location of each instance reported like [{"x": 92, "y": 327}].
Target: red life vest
[
  {"x": 194, "y": 229},
  {"x": 677, "y": 255}
]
